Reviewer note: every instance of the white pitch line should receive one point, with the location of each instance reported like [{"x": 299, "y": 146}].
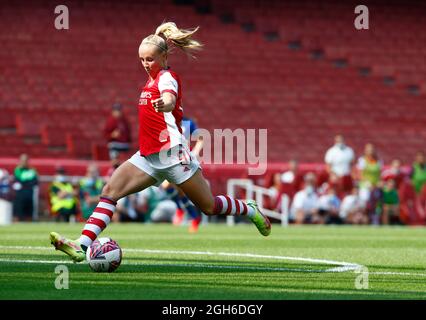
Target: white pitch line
[
  {"x": 343, "y": 266},
  {"x": 185, "y": 265},
  {"x": 348, "y": 267},
  {"x": 246, "y": 255},
  {"x": 397, "y": 273},
  {"x": 210, "y": 266}
]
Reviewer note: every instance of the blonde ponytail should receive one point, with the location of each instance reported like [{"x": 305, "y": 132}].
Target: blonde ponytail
[{"x": 169, "y": 32}]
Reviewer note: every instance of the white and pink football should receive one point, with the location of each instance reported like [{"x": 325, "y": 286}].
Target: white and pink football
[{"x": 104, "y": 255}]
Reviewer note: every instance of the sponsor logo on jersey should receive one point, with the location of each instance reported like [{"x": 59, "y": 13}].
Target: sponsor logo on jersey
[
  {"x": 143, "y": 100},
  {"x": 146, "y": 94}
]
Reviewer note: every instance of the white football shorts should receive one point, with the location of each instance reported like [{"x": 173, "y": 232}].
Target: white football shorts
[{"x": 175, "y": 165}]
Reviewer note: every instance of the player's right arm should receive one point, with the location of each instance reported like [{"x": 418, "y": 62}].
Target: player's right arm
[{"x": 166, "y": 103}]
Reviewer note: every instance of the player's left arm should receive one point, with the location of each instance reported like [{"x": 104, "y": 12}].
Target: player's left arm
[{"x": 166, "y": 103}]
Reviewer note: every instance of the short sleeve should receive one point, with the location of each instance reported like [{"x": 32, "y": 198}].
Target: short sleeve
[{"x": 167, "y": 83}]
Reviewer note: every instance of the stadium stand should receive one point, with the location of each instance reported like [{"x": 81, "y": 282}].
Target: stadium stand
[{"x": 301, "y": 65}]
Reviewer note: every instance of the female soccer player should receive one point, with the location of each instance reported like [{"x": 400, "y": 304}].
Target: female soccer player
[{"x": 163, "y": 152}]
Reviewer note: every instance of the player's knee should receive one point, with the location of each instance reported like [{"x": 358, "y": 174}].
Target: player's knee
[{"x": 108, "y": 191}]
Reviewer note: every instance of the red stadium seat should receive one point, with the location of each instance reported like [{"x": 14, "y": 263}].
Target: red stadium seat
[
  {"x": 78, "y": 146},
  {"x": 302, "y": 100},
  {"x": 27, "y": 126},
  {"x": 100, "y": 152},
  {"x": 52, "y": 136}
]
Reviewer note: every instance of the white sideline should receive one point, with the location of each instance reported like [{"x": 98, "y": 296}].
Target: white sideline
[
  {"x": 186, "y": 265},
  {"x": 341, "y": 266}
]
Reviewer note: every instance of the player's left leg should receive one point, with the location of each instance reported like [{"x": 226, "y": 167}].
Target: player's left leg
[
  {"x": 126, "y": 179},
  {"x": 197, "y": 189}
]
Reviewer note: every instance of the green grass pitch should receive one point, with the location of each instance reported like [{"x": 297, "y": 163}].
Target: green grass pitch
[{"x": 221, "y": 262}]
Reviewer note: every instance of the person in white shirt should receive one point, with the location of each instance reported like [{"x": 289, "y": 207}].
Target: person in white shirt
[
  {"x": 289, "y": 176},
  {"x": 339, "y": 160},
  {"x": 304, "y": 207},
  {"x": 353, "y": 208}
]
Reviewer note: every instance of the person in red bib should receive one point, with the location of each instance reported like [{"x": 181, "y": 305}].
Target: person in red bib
[{"x": 163, "y": 153}]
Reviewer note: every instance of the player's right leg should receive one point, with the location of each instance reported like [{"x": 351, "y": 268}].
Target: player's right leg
[
  {"x": 197, "y": 189},
  {"x": 127, "y": 179}
]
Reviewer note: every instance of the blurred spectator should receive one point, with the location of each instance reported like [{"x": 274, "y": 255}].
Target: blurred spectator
[
  {"x": 328, "y": 207},
  {"x": 375, "y": 204},
  {"x": 352, "y": 209},
  {"x": 409, "y": 201},
  {"x": 90, "y": 190},
  {"x": 63, "y": 197},
  {"x": 25, "y": 186},
  {"x": 287, "y": 183},
  {"x": 339, "y": 160},
  {"x": 126, "y": 210},
  {"x": 275, "y": 191},
  {"x": 6, "y": 208},
  {"x": 156, "y": 205},
  {"x": 333, "y": 181},
  {"x": 276, "y": 187},
  {"x": 390, "y": 212},
  {"x": 418, "y": 172},
  {"x": 304, "y": 208},
  {"x": 291, "y": 174},
  {"x": 291, "y": 179},
  {"x": 394, "y": 172},
  {"x": 5, "y": 188},
  {"x": 369, "y": 170},
  {"x": 421, "y": 205},
  {"x": 117, "y": 132}
]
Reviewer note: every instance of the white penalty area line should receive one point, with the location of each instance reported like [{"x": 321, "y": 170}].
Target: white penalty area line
[{"x": 340, "y": 266}]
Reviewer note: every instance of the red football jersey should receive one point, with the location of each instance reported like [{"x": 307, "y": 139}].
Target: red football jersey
[{"x": 160, "y": 130}]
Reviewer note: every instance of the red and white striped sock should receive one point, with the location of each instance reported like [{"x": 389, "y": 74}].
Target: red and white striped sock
[
  {"x": 98, "y": 221},
  {"x": 229, "y": 206}
]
